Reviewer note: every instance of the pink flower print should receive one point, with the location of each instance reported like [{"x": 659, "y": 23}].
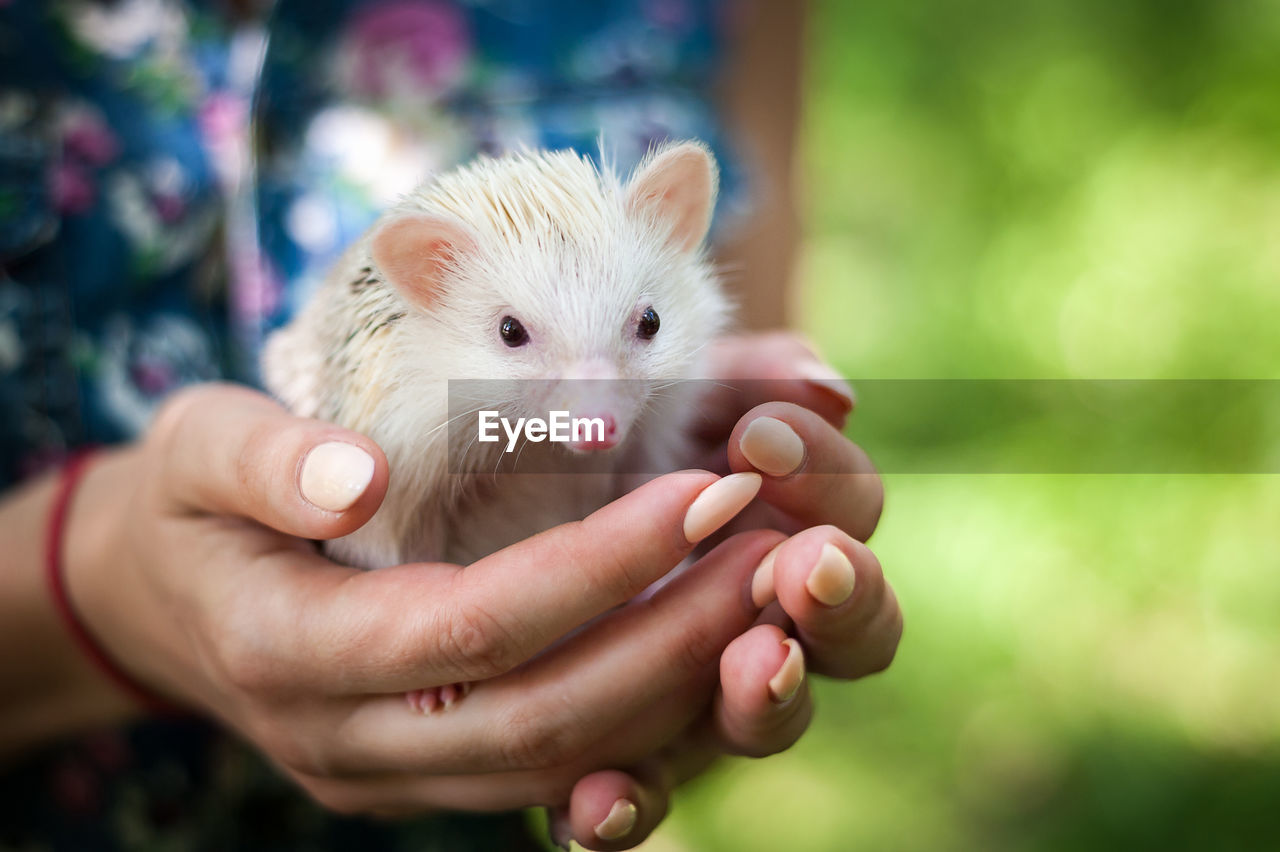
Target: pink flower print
[
  {"x": 169, "y": 188},
  {"x": 71, "y": 188},
  {"x": 151, "y": 376},
  {"x": 224, "y": 127},
  {"x": 223, "y": 117},
  {"x": 86, "y": 137},
  {"x": 413, "y": 48},
  {"x": 169, "y": 207},
  {"x": 256, "y": 288}
]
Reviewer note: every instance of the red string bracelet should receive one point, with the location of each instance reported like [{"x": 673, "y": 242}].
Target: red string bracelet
[{"x": 70, "y": 477}]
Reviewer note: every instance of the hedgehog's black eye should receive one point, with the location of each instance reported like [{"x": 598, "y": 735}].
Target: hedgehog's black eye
[
  {"x": 512, "y": 332},
  {"x": 648, "y": 325}
]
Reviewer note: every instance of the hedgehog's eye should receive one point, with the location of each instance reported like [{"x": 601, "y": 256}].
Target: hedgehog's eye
[
  {"x": 512, "y": 332},
  {"x": 648, "y": 325}
]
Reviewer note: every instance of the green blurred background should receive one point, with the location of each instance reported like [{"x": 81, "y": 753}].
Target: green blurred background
[{"x": 1056, "y": 189}]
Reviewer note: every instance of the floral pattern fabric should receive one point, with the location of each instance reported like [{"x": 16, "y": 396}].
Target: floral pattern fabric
[{"x": 149, "y": 239}]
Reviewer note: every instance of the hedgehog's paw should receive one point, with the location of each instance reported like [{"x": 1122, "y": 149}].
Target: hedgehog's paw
[{"x": 427, "y": 701}]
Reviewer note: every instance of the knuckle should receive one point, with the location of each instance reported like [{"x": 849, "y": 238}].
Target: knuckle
[
  {"x": 881, "y": 660},
  {"x": 248, "y": 467},
  {"x": 884, "y": 648},
  {"x": 611, "y": 575},
  {"x": 287, "y": 741},
  {"x": 874, "y": 508},
  {"x": 769, "y": 742},
  {"x": 247, "y": 670},
  {"x": 588, "y": 549},
  {"x": 243, "y": 663},
  {"x": 895, "y": 638},
  {"x": 558, "y": 785},
  {"x": 536, "y": 739},
  {"x": 170, "y": 421},
  {"x": 777, "y": 731},
  {"x": 173, "y": 412},
  {"x": 695, "y": 651},
  {"x": 475, "y": 642},
  {"x": 287, "y": 749}
]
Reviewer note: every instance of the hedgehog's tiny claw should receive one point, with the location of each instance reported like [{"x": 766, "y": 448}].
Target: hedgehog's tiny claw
[{"x": 423, "y": 701}]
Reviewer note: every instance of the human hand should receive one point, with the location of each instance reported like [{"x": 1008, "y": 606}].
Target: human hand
[
  {"x": 822, "y": 490},
  {"x": 187, "y": 557}
]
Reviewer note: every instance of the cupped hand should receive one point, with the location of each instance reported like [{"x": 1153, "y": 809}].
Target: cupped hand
[
  {"x": 776, "y": 409},
  {"x": 194, "y": 569},
  {"x": 787, "y": 412}
]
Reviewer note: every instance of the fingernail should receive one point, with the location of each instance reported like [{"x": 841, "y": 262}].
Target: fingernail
[
  {"x": 831, "y": 580},
  {"x": 762, "y": 589},
  {"x": 558, "y": 829},
  {"x": 772, "y": 446},
  {"x": 334, "y": 475},
  {"x": 823, "y": 377},
  {"x": 718, "y": 503},
  {"x": 786, "y": 683},
  {"x": 619, "y": 822}
]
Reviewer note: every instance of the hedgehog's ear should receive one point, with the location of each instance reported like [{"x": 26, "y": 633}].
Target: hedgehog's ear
[
  {"x": 412, "y": 253},
  {"x": 677, "y": 185}
]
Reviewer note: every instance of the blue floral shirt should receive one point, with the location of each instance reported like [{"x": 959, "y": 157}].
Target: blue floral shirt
[{"x": 174, "y": 179}]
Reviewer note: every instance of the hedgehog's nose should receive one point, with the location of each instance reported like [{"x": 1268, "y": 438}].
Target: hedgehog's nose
[
  {"x": 610, "y": 436},
  {"x": 604, "y": 435}
]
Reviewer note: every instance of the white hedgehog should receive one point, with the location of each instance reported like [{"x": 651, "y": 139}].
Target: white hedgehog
[{"x": 530, "y": 271}]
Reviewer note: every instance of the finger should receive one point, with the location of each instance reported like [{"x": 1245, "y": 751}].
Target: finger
[
  {"x": 763, "y": 704},
  {"x": 594, "y": 801},
  {"x": 833, "y": 588},
  {"x": 230, "y": 450},
  {"x": 611, "y": 809},
  {"x": 813, "y": 472},
  {"x": 416, "y": 626},
  {"x": 587, "y": 794},
  {"x": 782, "y": 366},
  {"x": 564, "y": 703},
  {"x": 603, "y": 802}
]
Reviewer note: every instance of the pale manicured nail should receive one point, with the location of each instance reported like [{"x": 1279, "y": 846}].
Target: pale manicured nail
[
  {"x": 822, "y": 376},
  {"x": 831, "y": 580},
  {"x": 718, "y": 503},
  {"x": 619, "y": 822},
  {"x": 762, "y": 588},
  {"x": 786, "y": 683},
  {"x": 334, "y": 475},
  {"x": 772, "y": 446}
]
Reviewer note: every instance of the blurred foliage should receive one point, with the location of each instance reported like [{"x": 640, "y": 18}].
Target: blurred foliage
[{"x": 1045, "y": 189}]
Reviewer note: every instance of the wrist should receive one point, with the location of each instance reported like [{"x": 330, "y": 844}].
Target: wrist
[
  {"x": 101, "y": 588},
  {"x": 49, "y": 688}
]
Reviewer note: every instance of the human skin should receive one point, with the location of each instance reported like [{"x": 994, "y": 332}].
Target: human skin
[{"x": 188, "y": 557}]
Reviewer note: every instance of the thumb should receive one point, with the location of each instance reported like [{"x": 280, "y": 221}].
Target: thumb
[{"x": 231, "y": 450}]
